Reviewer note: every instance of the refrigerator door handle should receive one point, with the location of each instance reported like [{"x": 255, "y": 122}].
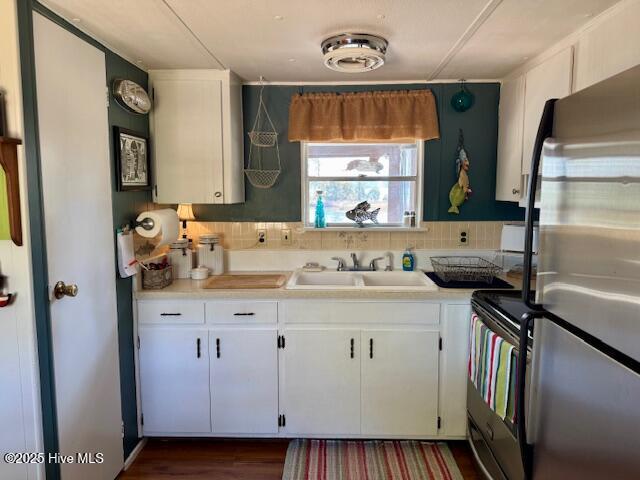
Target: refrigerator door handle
[
  {"x": 526, "y": 449},
  {"x": 545, "y": 130}
]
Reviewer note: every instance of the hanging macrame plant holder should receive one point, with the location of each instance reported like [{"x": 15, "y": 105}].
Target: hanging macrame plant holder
[{"x": 263, "y": 149}]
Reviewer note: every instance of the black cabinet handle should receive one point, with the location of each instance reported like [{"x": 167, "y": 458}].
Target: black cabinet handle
[
  {"x": 249, "y": 314},
  {"x": 218, "y": 347},
  {"x": 371, "y": 348},
  {"x": 198, "y": 353},
  {"x": 170, "y": 314},
  {"x": 352, "y": 344}
]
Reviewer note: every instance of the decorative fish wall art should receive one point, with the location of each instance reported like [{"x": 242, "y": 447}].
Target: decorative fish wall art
[
  {"x": 361, "y": 213},
  {"x": 461, "y": 190}
]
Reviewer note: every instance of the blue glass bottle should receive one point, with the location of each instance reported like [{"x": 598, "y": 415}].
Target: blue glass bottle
[{"x": 320, "y": 221}]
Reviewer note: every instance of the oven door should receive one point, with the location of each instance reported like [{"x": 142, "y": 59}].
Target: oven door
[{"x": 492, "y": 439}]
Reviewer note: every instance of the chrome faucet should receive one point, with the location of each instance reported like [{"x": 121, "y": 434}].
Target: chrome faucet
[
  {"x": 356, "y": 264},
  {"x": 389, "y": 266},
  {"x": 341, "y": 265},
  {"x": 373, "y": 266}
]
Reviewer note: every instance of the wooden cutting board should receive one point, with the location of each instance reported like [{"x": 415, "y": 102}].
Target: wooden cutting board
[{"x": 246, "y": 281}]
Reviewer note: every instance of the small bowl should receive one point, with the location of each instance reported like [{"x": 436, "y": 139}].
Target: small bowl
[{"x": 199, "y": 273}]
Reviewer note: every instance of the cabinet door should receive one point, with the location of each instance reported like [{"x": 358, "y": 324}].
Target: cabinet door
[
  {"x": 550, "y": 79},
  {"x": 174, "y": 380},
  {"x": 399, "y": 382},
  {"x": 244, "y": 381},
  {"x": 187, "y": 139},
  {"x": 511, "y": 117},
  {"x": 321, "y": 382}
]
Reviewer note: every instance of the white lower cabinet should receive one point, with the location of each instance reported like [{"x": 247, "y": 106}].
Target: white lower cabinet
[
  {"x": 244, "y": 381},
  {"x": 266, "y": 368},
  {"x": 399, "y": 382},
  {"x": 174, "y": 380},
  {"x": 321, "y": 381}
]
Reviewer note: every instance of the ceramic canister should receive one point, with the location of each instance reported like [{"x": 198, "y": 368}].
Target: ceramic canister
[{"x": 211, "y": 253}]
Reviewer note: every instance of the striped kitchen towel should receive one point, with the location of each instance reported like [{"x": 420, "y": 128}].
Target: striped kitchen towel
[{"x": 492, "y": 368}]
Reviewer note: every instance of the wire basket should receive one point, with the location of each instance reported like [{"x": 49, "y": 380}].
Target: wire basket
[
  {"x": 262, "y": 178},
  {"x": 263, "y": 139},
  {"x": 264, "y": 143},
  {"x": 464, "y": 269}
]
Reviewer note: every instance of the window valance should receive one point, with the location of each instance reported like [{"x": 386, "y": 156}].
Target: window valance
[{"x": 363, "y": 116}]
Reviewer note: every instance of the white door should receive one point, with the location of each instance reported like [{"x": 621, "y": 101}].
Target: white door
[
  {"x": 174, "y": 380},
  {"x": 321, "y": 381},
  {"x": 186, "y": 125},
  {"x": 244, "y": 381},
  {"x": 76, "y": 190},
  {"x": 399, "y": 382}
]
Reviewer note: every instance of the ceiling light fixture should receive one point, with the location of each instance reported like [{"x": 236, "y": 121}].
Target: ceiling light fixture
[
  {"x": 354, "y": 52},
  {"x": 278, "y": 17}
]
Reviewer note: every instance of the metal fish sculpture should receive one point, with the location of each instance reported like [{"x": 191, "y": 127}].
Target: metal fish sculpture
[
  {"x": 461, "y": 190},
  {"x": 361, "y": 213}
]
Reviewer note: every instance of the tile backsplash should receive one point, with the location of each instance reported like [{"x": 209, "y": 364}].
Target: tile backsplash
[{"x": 431, "y": 235}]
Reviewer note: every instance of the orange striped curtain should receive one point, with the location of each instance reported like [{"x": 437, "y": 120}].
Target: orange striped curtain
[{"x": 363, "y": 116}]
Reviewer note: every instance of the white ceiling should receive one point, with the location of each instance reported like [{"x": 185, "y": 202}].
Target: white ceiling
[{"x": 428, "y": 39}]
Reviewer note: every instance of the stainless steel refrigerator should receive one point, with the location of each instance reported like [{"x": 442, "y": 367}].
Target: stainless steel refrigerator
[{"x": 583, "y": 412}]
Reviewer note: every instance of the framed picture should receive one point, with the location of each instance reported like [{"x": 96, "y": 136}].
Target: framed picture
[{"x": 133, "y": 166}]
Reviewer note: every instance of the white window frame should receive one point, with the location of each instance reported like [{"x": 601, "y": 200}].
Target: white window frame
[{"x": 419, "y": 192}]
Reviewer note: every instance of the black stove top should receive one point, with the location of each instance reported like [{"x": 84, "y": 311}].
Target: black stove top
[
  {"x": 505, "y": 307},
  {"x": 494, "y": 283}
]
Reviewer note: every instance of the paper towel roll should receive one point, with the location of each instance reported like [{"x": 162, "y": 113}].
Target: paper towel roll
[{"x": 165, "y": 223}]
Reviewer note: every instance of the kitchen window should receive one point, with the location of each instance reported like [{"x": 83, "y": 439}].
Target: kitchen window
[{"x": 386, "y": 175}]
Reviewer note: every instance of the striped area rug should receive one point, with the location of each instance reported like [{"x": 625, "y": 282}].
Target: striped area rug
[{"x": 369, "y": 460}]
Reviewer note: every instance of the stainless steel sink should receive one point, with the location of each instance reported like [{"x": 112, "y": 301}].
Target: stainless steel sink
[{"x": 387, "y": 281}]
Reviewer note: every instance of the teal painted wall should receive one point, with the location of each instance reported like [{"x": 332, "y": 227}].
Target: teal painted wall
[
  {"x": 126, "y": 207},
  {"x": 480, "y": 126}
]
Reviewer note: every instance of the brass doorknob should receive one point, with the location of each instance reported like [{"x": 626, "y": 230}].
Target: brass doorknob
[{"x": 61, "y": 290}]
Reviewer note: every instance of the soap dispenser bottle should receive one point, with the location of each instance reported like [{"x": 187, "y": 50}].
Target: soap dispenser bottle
[
  {"x": 320, "y": 221},
  {"x": 408, "y": 260}
]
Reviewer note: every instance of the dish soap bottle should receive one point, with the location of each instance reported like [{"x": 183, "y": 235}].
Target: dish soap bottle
[
  {"x": 408, "y": 260},
  {"x": 320, "y": 221}
]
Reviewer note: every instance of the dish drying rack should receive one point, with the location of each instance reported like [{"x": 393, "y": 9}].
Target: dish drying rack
[{"x": 464, "y": 269}]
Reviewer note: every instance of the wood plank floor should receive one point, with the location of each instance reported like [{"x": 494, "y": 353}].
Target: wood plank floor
[{"x": 199, "y": 459}]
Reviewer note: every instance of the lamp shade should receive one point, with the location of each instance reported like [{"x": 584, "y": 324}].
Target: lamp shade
[{"x": 185, "y": 212}]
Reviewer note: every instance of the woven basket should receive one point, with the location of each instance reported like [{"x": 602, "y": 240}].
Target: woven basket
[
  {"x": 157, "y": 279},
  {"x": 262, "y": 178},
  {"x": 263, "y": 139}
]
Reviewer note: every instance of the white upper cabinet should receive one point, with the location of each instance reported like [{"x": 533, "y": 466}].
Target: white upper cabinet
[
  {"x": 522, "y": 100},
  {"x": 510, "y": 120},
  {"x": 196, "y": 136},
  {"x": 550, "y": 79},
  {"x": 608, "y": 47}
]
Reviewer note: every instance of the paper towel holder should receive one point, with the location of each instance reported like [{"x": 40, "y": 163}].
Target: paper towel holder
[{"x": 146, "y": 223}]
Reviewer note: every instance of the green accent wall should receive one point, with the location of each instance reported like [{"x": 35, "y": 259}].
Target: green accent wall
[
  {"x": 480, "y": 126},
  {"x": 126, "y": 207}
]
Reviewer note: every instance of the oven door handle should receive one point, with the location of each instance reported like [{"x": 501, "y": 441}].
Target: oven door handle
[{"x": 526, "y": 449}]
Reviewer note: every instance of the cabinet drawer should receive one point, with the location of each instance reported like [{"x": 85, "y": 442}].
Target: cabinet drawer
[
  {"x": 391, "y": 313},
  {"x": 241, "y": 312},
  {"x": 171, "y": 312}
]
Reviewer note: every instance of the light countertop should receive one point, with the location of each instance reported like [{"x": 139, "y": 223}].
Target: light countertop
[{"x": 193, "y": 290}]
